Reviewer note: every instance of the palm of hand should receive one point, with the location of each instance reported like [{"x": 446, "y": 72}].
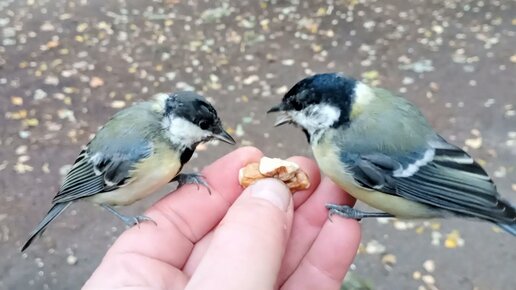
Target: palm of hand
[{"x": 199, "y": 244}]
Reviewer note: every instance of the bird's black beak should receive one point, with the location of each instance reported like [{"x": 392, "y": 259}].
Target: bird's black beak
[
  {"x": 277, "y": 108},
  {"x": 283, "y": 118},
  {"x": 224, "y": 137}
]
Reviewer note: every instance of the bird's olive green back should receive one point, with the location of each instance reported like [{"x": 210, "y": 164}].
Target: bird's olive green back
[
  {"x": 387, "y": 118},
  {"x": 130, "y": 128}
]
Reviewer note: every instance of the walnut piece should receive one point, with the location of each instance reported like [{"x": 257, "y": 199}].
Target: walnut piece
[{"x": 286, "y": 171}]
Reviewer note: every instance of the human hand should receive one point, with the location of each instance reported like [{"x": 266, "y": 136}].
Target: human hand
[{"x": 261, "y": 238}]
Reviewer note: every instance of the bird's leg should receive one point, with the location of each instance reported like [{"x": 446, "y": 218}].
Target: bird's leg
[
  {"x": 349, "y": 212},
  {"x": 191, "y": 178},
  {"x": 128, "y": 220}
]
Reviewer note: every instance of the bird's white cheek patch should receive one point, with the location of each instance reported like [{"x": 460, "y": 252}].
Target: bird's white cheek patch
[
  {"x": 183, "y": 132},
  {"x": 316, "y": 118}
]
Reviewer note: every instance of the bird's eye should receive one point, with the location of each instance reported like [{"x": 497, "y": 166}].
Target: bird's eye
[
  {"x": 296, "y": 105},
  {"x": 203, "y": 124}
]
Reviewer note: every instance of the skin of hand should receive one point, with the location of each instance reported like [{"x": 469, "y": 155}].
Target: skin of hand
[{"x": 259, "y": 238}]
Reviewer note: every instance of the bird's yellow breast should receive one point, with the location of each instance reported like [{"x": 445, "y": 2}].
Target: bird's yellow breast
[
  {"x": 330, "y": 164},
  {"x": 148, "y": 176}
]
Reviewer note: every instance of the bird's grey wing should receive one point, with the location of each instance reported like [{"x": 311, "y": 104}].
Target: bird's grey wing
[
  {"x": 96, "y": 172},
  {"x": 106, "y": 162},
  {"x": 441, "y": 176}
]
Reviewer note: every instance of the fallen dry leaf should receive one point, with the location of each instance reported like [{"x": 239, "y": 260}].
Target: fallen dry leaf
[{"x": 96, "y": 82}]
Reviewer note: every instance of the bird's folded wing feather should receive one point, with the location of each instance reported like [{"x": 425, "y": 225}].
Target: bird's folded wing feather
[
  {"x": 441, "y": 176},
  {"x": 96, "y": 172}
]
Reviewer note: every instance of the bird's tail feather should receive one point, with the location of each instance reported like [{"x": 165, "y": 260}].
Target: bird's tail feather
[
  {"x": 54, "y": 212},
  {"x": 510, "y": 228}
]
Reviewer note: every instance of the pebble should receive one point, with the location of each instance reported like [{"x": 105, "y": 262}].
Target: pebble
[
  {"x": 428, "y": 279},
  {"x": 416, "y": 275},
  {"x": 71, "y": 260},
  {"x": 118, "y": 104},
  {"x": 39, "y": 94},
  {"x": 429, "y": 266},
  {"x": 374, "y": 247}
]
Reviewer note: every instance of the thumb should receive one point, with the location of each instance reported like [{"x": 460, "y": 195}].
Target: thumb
[{"x": 248, "y": 246}]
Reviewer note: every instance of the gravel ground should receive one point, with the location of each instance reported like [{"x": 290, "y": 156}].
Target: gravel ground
[{"x": 66, "y": 66}]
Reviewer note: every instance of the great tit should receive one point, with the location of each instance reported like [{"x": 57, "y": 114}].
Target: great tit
[
  {"x": 380, "y": 148},
  {"x": 139, "y": 150}
]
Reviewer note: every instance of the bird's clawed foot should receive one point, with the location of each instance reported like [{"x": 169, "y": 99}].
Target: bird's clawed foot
[
  {"x": 351, "y": 213},
  {"x": 191, "y": 178},
  {"x": 136, "y": 220},
  {"x": 129, "y": 221}
]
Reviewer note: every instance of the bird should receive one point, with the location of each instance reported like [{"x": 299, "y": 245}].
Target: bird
[
  {"x": 138, "y": 151},
  {"x": 379, "y": 147}
]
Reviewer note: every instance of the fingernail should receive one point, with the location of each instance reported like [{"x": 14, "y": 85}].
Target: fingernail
[{"x": 273, "y": 191}]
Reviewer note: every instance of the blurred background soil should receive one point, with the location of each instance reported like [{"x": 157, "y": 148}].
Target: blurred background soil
[{"x": 66, "y": 66}]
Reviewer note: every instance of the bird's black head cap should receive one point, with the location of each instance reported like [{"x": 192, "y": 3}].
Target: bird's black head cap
[
  {"x": 194, "y": 108},
  {"x": 334, "y": 89}
]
